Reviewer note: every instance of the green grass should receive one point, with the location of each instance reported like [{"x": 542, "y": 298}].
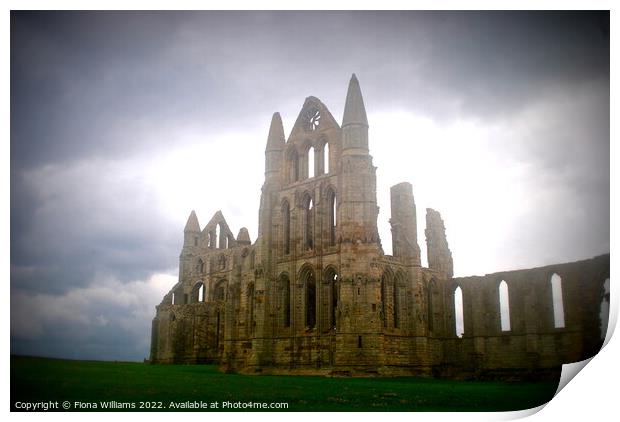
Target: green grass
[{"x": 40, "y": 379}]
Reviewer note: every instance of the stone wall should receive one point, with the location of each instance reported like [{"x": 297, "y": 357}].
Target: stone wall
[{"x": 533, "y": 343}]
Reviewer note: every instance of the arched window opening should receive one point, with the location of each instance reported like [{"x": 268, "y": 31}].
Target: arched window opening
[
  {"x": 504, "y": 306},
  {"x": 212, "y": 240},
  {"x": 311, "y": 162},
  {"x": 310, "y": 288},
  {"x": 201, "y": 266},
  {"x": 286, "y": 227},
  {"x": 198, "y": 292},
  {"x": 221, "y": 235},
  {"x": 604, "y": 312},
  {"x": 332, "y": 277},
  {"x": 222, "y": 262},
  {"x": 218, "y": 236},
  {"x": 174, "y": 298},
  {"x": 195, "y": 240},
  {"x": 558, "y": 303},
  {"x": 459, "y": 321},
  {"x": 331, "y": 203},
  {"x": 326, "y": 158},
  {"x": 308, "y": 223}
]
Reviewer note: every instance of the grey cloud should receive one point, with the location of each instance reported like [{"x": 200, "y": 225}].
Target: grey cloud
[
  {"x": 101, "y": 320},
  {"x": 87, "y": 219},
  {"x": 78, "y": 78}
]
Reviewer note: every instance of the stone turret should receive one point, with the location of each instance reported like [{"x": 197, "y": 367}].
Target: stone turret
[
  {"x": 273, "y": 167},
  {"x": 354, "y": 121},
  {"x": 358, "y": 208},
  {"x": 243, "y": 238},
  {"x": 192, "y": 230},
  {"x": 404, "y": 225},
  {"x": 439, "y": 255},
  {"x": 274, "y": 148}
]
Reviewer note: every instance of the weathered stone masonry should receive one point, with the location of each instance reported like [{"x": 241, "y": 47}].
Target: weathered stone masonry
[{"x": 315, "y": 294}]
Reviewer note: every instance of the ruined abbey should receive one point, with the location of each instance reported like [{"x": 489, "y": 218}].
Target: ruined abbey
[{"x": 315, "y": 293}]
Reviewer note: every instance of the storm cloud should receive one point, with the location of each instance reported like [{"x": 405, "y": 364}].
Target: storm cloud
[{"x": 123, "y": 122}]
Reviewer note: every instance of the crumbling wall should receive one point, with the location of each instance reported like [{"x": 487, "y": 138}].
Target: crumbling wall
[
  {"x": 439, "y": 255},
  {"x": 186, "y": 334},
  {"x": 404, "y": 225},
  {"x": 533, "y": 345}
]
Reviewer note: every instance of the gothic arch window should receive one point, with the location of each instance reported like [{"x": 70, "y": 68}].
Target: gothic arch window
[
  {"x": 198, "y": 292},
  {"x": 331, "y": 205},
  {"x": 200, "y": 266},
  {"x": 218, "y": 236},
  {"x": 504, "y": 306},
  {"x": 174, "y": 298},
  {"x": 221, "y": 262},
  {"x": 311, "y": 162},
  {"x": 309, "y": 282},
  {"x": 326, "y": 158},
  {"x": 331, "y": 276},
  {"x": 308, "y": 222},
  {"x": 459, "y": 321},
  {"x": 286, "y": 227},
  {"x": 285, "y": 285},
  {"x": 399, "y": 304},
  {"x": 221, "y": 235},
  {"x": 558, "y": 303}
]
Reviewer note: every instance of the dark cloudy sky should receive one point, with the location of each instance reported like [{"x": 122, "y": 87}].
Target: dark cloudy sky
[{"x": 123, "y": 122}]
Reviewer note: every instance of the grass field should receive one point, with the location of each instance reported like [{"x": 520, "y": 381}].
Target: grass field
[{"x": 44, "y": 380}]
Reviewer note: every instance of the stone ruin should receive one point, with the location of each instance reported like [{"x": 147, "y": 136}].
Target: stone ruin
[{"x": 315, "y": 294}]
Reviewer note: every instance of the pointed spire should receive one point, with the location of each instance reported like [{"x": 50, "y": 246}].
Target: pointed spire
[
  {"x": 275, "y": 140},
  {"x": 354, "y": 110},
  {"x": 192, "y": 223}
]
